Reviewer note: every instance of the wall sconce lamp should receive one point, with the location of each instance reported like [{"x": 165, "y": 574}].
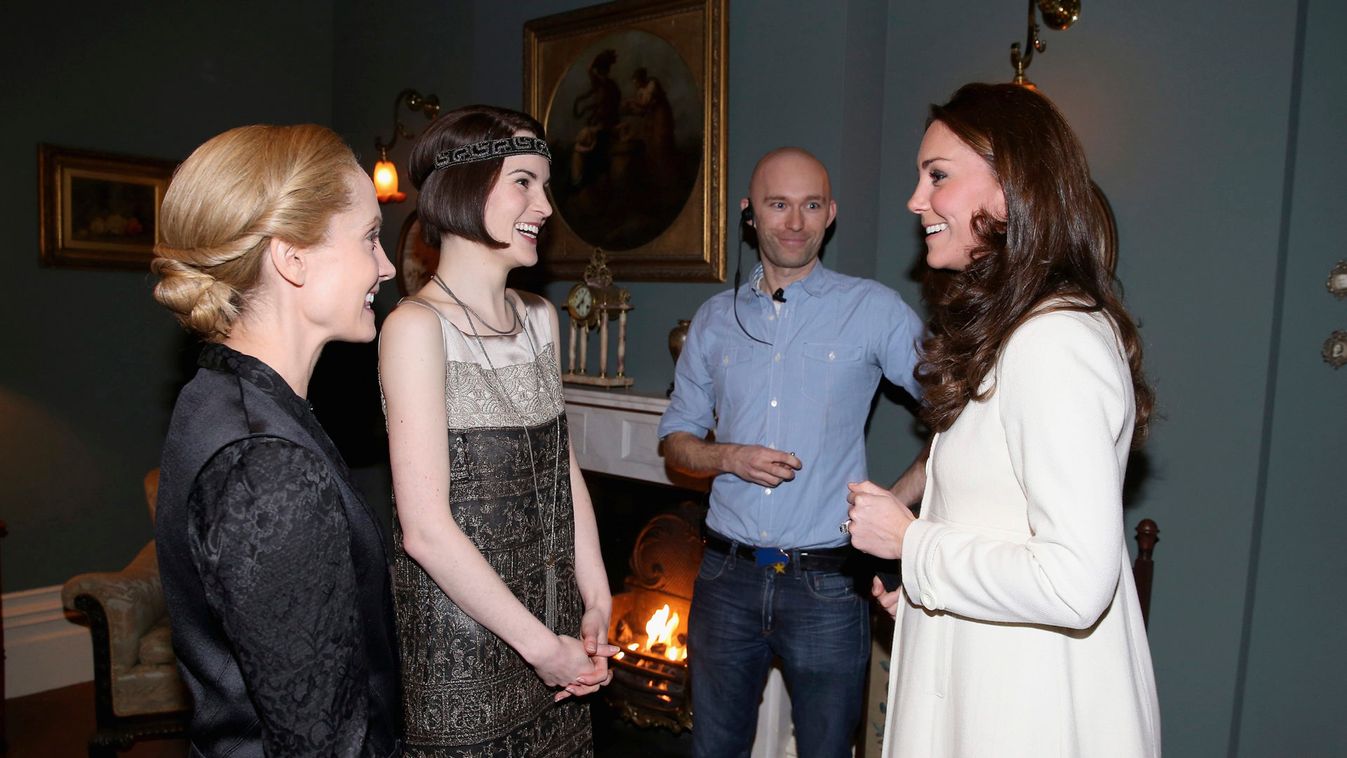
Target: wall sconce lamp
[
  {"x": 1057, "y": 14},
  {"x": 385, "y": 171}
]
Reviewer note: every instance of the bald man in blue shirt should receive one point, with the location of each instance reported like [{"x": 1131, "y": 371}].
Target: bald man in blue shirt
[{"x": 783, "y": 372}]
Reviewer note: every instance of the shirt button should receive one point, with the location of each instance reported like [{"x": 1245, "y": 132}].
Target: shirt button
[
  {"x": 777, "y": 357},
  {"x": 725, "y": 360},
  {"x": 928, "y": 600},
  {"x": 772, "y": 317},
  {"x": 832, "y": 355},
  {"x": 766, "y": 490},
  {"x": 764, "y": 535},
  {"x": 773, "y": 402}
]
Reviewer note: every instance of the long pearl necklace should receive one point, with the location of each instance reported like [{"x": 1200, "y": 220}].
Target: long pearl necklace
[{"x": 551, "y": 558}]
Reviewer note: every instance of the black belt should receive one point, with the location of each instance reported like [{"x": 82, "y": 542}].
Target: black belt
[{"x": 809, "y": 559}]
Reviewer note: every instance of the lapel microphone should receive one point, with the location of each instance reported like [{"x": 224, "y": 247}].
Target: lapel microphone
[{"x": 779, "y": 295}]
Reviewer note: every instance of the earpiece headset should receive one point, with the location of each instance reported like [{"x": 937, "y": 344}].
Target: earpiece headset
[{"x": 745, "y": 222}]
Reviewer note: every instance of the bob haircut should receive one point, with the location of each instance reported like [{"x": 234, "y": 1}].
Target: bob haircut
[{"x": 452, "y": 200}]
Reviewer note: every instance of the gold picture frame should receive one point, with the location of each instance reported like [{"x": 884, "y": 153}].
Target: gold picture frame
[
  {"x": 98, "y": 210},
  {"x": 633, "y": 97}
]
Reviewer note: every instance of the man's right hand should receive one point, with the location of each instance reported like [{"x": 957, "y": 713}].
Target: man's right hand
[{"x": 760, "y": 465}]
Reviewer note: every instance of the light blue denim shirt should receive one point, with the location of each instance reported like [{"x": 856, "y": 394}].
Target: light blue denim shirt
[{"x": 808, "y": 392}]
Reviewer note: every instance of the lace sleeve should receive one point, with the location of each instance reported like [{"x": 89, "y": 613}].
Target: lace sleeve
[{"x": 271, "y": 542}]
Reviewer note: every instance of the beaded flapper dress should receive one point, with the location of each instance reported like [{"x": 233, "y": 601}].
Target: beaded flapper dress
[{"x": 466, "y": 692}]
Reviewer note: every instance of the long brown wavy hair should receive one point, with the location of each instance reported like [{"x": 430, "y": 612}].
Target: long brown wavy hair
[{"x": 1056, "y": 242}]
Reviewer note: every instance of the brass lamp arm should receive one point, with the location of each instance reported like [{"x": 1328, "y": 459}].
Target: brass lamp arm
[
  {"x": 427, "y": 104},
  {"x": 1058, "y": 14}
]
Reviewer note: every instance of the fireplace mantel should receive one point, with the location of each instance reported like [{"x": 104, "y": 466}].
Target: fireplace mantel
[{"x": 616, "y": 432}]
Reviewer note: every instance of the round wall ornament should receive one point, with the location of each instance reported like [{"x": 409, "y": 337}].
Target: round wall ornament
[
  {"x": 1337, "y": 280},
  {"x": 1335, "y": 349}
]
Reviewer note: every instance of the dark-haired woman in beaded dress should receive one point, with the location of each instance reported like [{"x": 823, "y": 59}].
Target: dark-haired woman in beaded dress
[{"x": 502, "y": 599}]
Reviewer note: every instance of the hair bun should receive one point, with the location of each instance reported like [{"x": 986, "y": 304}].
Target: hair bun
[{"x": 200, "y": 302}]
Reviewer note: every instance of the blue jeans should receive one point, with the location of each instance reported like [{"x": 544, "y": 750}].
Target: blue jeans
[{"x": 742, "y": 616}]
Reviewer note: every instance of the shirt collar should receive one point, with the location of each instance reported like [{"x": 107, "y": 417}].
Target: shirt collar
[{"x": 815, "y": 283}]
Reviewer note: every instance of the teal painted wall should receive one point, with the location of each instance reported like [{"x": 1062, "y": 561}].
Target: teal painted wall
[
  {"x": 90, "y": 362},
  {"x": 1224, "y": 183},
  {"x": 1295, "y": 681}
]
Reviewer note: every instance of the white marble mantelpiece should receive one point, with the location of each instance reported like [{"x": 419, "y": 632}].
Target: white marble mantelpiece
[{"x": 616, "y": 432}]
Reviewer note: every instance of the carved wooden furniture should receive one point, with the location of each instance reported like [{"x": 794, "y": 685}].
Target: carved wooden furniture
[
  {"x": 1143, "y": 569},
  {"x": 137, "y": 691}
]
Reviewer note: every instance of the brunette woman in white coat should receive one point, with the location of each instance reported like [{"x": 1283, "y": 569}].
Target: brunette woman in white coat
[{"x": 1018, "y": 629}]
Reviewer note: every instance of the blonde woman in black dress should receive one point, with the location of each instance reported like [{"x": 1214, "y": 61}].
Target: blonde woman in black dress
[{"x": 273, "y": 567}]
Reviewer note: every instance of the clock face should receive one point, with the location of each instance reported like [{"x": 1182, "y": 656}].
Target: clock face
[{"x": 580, "y": 302}]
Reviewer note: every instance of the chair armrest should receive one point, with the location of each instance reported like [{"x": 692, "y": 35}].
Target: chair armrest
[{"x": 130, "y": 600}]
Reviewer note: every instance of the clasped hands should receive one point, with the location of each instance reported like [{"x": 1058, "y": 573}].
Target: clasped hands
[
  {"x": 878, "y": 521},
  {"x": 580, "y": 666}
]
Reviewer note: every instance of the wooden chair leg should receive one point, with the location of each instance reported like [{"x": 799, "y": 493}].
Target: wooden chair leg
[{"x": 1143, "y": 570}]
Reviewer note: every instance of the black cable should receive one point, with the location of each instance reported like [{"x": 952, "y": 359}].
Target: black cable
[{"x": 745, "y": 219}]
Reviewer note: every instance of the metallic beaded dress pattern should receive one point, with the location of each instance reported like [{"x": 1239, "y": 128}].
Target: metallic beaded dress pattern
[{"x": 466, "y": 692}]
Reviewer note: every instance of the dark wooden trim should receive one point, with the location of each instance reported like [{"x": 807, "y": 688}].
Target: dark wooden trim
[{"x": 1143, "y": 570}]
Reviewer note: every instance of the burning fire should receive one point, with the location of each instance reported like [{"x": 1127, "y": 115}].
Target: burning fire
[{"x": 661, "y": 636}]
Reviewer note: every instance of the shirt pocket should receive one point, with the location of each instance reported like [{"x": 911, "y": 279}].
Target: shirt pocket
[
  {"x": 736, "y": 385},
  {"x": 825, "y": 368}
]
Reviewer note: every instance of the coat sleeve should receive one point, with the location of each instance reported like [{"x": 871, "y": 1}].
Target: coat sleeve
[
  {"x": 271, "y": 542},
  {"x": 1066, "y": 405}
]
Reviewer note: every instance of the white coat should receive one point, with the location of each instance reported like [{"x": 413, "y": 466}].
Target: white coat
[{"x": 1019, "y": 632}]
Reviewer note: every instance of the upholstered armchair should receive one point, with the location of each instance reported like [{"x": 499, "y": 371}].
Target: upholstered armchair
[{"x": 137, "y": 691}]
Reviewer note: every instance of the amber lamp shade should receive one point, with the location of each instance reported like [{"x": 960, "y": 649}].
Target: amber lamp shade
[{"x": 386, "y": 182}]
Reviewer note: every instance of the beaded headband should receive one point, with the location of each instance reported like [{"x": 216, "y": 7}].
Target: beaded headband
[{"x": 491, "y": 149}]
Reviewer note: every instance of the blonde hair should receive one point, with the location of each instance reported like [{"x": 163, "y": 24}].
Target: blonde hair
[{"x": 228, "y": 200}]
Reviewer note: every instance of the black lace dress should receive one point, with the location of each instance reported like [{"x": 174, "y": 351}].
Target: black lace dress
[
  {"x": 272, "y": 545},
  {"x": 466, "y": 692}
]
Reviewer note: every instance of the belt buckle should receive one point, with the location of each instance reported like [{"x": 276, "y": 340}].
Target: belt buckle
[{"x": 771, "y": 556}]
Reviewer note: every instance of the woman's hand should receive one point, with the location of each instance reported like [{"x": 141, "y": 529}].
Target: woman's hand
[
  {"x": 887, "y": 600},
  {"x": 563, "y": 663},
  {"x": 594, "y": 633},
  {"x": 878, "y": 521},
  {"x": 594, "y": 637}
]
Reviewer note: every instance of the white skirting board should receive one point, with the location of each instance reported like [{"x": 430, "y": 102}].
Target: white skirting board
[{"x": 43, "y": 649}]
